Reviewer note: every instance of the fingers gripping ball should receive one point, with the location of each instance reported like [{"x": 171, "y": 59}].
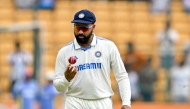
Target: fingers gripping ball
[{"x": 72, "y": 60}]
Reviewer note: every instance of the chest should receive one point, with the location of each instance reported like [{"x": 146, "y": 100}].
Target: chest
[{"x": 92, "y": 55}]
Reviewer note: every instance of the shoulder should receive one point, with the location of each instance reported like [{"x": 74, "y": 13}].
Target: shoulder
[
  {"x": 25, "y": 52},
  {"x": 11, "y": 54},
  {"x": 66, "y": 47},
  {"x": 107, "y": 45},
  {"x": 104, "y": 41}
]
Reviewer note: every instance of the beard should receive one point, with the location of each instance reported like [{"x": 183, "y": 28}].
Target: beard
[{"x": 83, "y": 40}]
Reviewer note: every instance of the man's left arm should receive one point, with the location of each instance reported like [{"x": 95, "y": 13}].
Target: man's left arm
[{"x": 121, "y": 76}]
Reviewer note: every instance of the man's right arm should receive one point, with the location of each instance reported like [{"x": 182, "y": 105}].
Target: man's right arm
[{"x": 59, "y": 81}]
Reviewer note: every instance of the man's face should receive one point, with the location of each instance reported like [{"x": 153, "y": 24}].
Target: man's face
[{"x": 83, "y": 32}]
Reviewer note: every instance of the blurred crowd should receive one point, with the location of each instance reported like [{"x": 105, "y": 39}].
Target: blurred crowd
[
  {"x": 27, "y": 92},
  {"x": 143, "y": 75},
  {"x": 156, "y": 5}
]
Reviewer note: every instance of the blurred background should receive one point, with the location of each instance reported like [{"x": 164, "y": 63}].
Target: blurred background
[{"x": 153, "y": 38}]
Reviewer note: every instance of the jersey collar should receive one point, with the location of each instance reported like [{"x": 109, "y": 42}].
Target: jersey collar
[{"x": 93, "y": 43}]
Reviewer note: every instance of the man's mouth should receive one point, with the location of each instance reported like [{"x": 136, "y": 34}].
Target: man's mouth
[{"x": 81, "y": 36}]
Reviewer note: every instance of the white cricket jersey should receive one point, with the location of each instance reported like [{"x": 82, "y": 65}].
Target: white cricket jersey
[{"x": 94, "y": 63}]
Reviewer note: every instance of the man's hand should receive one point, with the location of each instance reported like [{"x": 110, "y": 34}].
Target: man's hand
[
  {"x": 70, "y": 72},
  {"x": 125, "y": 107}
]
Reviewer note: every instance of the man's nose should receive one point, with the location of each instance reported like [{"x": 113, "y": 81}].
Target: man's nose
[{"x": 80, "y": 31}]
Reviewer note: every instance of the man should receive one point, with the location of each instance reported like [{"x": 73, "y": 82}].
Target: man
[
  {"x": 167, "y": 39},
  {"x": 47, "y": 93},
  {"x": 134, "y": 60},
  {"x": 26, "y": 91},
  {"x": 19, "y": 60},
  {"x": 25, "y": 4},
  {"x": 147, "y": 78},
  {"x": 160, "y": 6},
  {"x": 87, "y": 82}
]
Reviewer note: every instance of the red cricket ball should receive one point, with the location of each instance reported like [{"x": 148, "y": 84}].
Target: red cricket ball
[{"x": 72, "y": 60}]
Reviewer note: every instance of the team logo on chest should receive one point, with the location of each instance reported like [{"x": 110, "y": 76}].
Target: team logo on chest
[{"x": 98, "y": 54}]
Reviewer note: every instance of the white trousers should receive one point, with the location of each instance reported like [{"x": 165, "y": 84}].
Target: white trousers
[{"x": 77, "y": 103}]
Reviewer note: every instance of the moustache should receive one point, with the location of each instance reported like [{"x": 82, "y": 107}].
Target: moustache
[{"x": 81, "y": 35}]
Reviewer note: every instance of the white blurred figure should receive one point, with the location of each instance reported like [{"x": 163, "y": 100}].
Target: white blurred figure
[
  {"x": 25, "y": 4},
  {"x": 180, "y": 82},
  {"x": 134, "y": 82},
  {"x": 160, "y": 6},
  {"x": 167, "y": 39},
  {"x": 186, "y": 4},
  {"x": 19, "y": 60}
]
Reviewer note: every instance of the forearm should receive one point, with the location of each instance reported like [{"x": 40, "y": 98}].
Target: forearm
[
  {"x": 61, "y": 83},
  {"x": 125, "y": 91}
]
